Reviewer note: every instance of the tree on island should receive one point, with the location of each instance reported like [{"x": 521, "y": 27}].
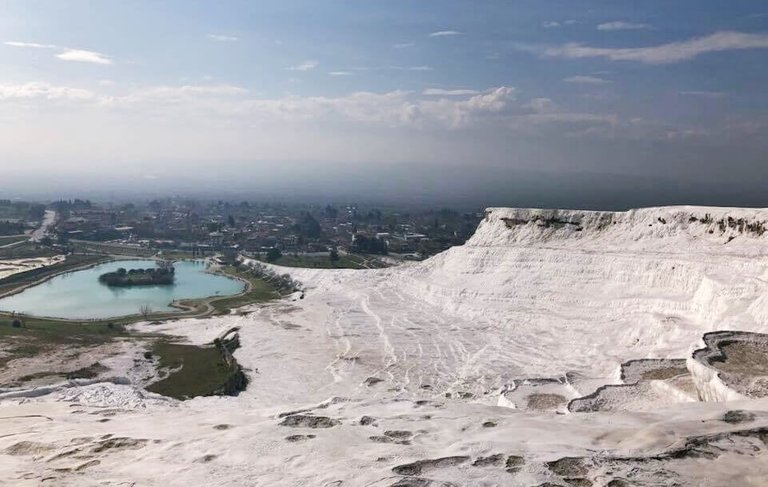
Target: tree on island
[
  {"x": 334, "y": 255},
  {"x": 164, "y": 275}
]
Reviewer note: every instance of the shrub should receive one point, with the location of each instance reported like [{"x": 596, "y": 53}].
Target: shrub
[{"x": 273, "y": 254}]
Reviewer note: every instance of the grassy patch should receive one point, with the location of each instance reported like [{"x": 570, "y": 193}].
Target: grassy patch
[
  {"x": 55, "y": 331},
  {"x": 178, "y": 255},
  {"x": 348, "y": 261},
  {"x": 197, "y": 371},
  {"x": 260, "y": 292},
  {"x": 111, "y": 249},
  {"x": 12, "y": 239},
  {"x": 28, "y": 250},
  {"x": 90, "y": 372},
  {"x": 129, "y": 250},
  {"x": 37, "y": 336},
  {"x": 24, "y": 350}
]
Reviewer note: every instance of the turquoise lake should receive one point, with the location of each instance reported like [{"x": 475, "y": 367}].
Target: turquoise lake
[{"x": 80, "y": 295}]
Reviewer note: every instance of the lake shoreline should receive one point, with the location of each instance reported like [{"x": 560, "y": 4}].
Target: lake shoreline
[
  {"x": 181, "y": 307},
  {"x": 23, "y": 287}
]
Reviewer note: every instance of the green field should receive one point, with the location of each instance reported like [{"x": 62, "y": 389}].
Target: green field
[
  {"x": 260, "y": 291},
  {"x": 128, "y": 250},
  {"x": 110, "y": 249},
  {"x": 348, "y": 261},
  {"x": 26, "y": 250},
  {"x": 197, "y": 371},
  {"x": 38, "y": 336},
  {"x": 12, "y": 239}
]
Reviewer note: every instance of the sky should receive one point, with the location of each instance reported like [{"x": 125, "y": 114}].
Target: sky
[{"x": 152, "y": 92}]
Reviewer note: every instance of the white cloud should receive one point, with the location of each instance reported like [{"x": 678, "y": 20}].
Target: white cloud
[
  {"x": 674, "y": 52},
  {"x": 82, "y": 56},
  {"x": 540, "y": 105},
  {"x": 30, "y": 44},
  {"x": 390, "y": 109},
  {"x": 232, "y": 106},
  {"x": 41, "y": 90},
  {"x": 621, "y": 25},
  {"x": 219, "y": 122},
  {"x": 305, "y": 66},
  {"x": 66, "y": 54},
  {"x": 441, "y": 110},
  {"x": 341, "y": 73},
  {"x": 445, "y": 33},
  {"x": 587, "y": 80},
  {"x": 222, "y": 38},
  {"x": 442, "y": 92},
  {"x": 553, "y": 24},
  {"x": 404, "y": 45},
  {"x": 457, "y": 114}
]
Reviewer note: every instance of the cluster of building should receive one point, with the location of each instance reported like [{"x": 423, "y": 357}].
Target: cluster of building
[{"x": 202, "y": 227}]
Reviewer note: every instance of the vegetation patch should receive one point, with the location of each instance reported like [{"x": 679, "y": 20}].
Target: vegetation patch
[
  {"x": 197, "y": 371},
  {"x": 12, "y": 239},
  {"x": 347, "y": 261},
  {"x": 164, "y": 275},
  {"x": 259, "y": 291},
  {"x": 189, "y": 370},
  {"x": 90, "y": 372},
  {"x": 26, "y": 250},
  {"x": 37, "y": 335}
]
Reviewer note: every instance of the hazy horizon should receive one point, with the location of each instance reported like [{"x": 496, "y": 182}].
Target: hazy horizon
[{"x": 401, "y": 185}]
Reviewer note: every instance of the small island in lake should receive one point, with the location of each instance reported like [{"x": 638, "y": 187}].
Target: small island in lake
[{"x": 163, "y": 275}]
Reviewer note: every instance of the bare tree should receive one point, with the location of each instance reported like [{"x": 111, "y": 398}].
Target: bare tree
[{"x": 145, "y": 310}]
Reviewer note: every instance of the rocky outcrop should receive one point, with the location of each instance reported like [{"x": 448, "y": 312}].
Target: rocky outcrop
[{"x": 732, "y": 365}]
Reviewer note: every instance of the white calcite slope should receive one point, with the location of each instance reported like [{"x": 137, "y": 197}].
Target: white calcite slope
[
  {"x": 527, "y": 299},
  {"x": 445, "y": 358}
]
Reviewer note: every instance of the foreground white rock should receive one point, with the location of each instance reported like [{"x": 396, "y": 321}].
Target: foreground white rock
[{"x": 409, "y": 365}]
